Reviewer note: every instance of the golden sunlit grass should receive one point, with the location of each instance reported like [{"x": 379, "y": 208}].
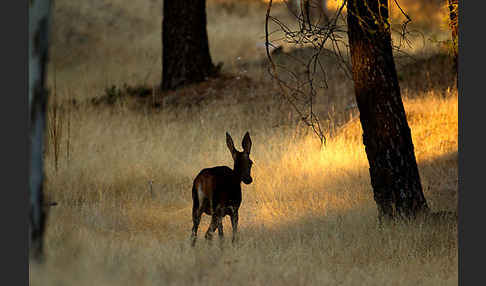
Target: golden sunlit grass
[{"x": 308, "y": 218}]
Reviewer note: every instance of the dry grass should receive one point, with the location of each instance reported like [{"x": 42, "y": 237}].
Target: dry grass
[
  {"x": 309, "y": 216},
  {"x": 307, "y": 219}
]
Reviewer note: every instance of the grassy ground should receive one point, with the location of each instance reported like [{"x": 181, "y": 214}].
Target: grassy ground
[{"x": 307, "y": 219}]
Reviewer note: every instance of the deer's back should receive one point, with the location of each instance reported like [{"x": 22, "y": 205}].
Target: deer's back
[{"x": 219, "y": 184}]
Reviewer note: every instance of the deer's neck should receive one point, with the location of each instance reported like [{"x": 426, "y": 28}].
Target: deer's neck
[{"x": 237, "y": 175}]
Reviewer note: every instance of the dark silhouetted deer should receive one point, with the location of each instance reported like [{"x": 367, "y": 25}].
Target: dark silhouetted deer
[{"x": 217, "y": 191}]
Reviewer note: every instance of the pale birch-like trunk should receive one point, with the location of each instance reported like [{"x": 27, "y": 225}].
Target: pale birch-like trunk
[{"x": 39, "y": 11}]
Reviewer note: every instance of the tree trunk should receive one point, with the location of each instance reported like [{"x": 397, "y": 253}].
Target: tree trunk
[
  {"x": 311, "y": 12},
  {"x": 386, "y": 135},
  {"x": 454, "y": 24},
  {"x": 185, "y": 49},
  {"x": 38, "y": 50}
]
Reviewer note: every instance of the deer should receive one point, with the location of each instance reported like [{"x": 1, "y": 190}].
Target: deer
[{"x": 217, "y": 191}]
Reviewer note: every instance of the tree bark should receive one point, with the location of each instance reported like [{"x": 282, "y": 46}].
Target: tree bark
[
  {"x": 185, "y": 49},
  {"x": 38, "y": 50},
  {"x": 454, "y": 24},
  {"x": 386, "y": 135}
]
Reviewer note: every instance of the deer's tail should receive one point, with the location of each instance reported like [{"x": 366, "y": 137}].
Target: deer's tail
[{"x": 195, "y": 197}]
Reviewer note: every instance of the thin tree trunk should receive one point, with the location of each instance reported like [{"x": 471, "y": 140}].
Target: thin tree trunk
[
  {"x": 386, "y": 135},
  {"x": 185, "y": 49},
  {"x": 311, "y": 12},
  {"x": 38, "y": 50},
  {"x": 454, "y": 24}
]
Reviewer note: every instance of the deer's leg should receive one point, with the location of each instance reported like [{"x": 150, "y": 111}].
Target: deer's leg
[
  {"x": 196, "y": 219},
  {"x": 214, "y": 219},
  {"x": 234, "y": 225},
  {"x": 220, "y": 229},
  {"x": 212, "y": 227},
  {"x": 220, "y": 225}
]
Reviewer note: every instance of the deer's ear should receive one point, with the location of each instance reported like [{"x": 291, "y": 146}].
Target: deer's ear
[
  {"x": 246, "y": 143},
  {"x": 231, "y": 145}
]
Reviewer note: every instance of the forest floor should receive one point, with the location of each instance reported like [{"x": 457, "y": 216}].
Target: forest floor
[{"x": 121, "y": 158}]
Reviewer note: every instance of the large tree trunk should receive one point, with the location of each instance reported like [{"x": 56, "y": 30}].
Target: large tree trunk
[
  {"x": 38, "y": 44},
  {"x": 386, "y": 135},
  {"x": 185, "y": 49}
]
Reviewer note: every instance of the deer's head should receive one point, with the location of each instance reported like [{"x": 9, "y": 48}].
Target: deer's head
[{"x": 242, "y": 160}]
